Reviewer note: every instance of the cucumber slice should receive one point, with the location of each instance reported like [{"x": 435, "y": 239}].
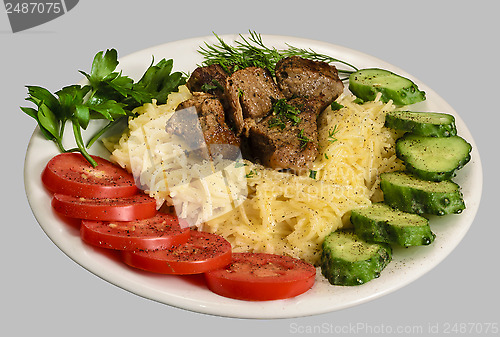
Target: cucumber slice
[
  {"x": 433, "y": 158},
  {"x": 347, "y": 260},
  {"x": 367, "y": 83},
  {"x": 432, "y": 124},
  {"x": 381, "y": 223},
  {"x": 413, "y": 195}
]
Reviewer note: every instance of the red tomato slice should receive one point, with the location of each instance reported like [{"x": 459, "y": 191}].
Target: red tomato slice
[
  {"x": 72, "y": 174},
  {"x": 159, "y": 232},
  {"x": 139, "y": 206},
  {"x": 262, "y": 277},
  {"x": 201, "y": 253}
]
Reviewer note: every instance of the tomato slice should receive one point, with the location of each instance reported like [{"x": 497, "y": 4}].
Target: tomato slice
[
  {"x": 261, "y": 277},
  {"x": 201, "y": 253},
  {"x": 72, "y": 174},
  {"x": 159, "y": 232},
  {"x": 139, "y": 206}
]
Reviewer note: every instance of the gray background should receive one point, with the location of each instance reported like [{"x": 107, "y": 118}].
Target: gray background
[{"x": 451, "y": 46}]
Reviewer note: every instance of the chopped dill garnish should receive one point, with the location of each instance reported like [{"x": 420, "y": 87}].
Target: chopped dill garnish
[
  {"x": 312, "y": 174},
  {"x": 331, "y": 135},
  {"x": 277, "y": 122},
  {"x": 251, "y": 174},
  {"x": 336, "y": 106},
  {"x": 303, "y": 138},
  {"x": 283, "y": 112},
  {"x": 212, "y": 86}
]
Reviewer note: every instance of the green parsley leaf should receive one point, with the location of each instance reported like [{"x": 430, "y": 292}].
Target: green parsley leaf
[
  {"x": 109, "y": 109},
  {"x": 122, "y": 84},
  {"x": 68, "y": 98},
  {"x": 48, "y": 120},
  {"x": 108, "y": 95},
  {"x": 82, "y": 114},
  {"x": 158, "y": 82},
  {"x": 103, "y": 65},
  {"x": 39, "y": 95}
]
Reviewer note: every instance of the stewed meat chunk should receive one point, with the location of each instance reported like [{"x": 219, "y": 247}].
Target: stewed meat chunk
[
  {"x": 207, "y": 127},
  {"x": 299, "y": 77},
  {"x": 250, "y": 93},
  {"x": 287, "y": 140},
  {"x": 210, "y": 79}
]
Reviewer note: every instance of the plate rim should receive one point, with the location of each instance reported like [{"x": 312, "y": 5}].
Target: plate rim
[{"x": 264, "y": 310}]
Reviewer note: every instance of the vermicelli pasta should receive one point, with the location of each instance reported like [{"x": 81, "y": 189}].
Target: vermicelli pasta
[{"x": 260, "y": 209}]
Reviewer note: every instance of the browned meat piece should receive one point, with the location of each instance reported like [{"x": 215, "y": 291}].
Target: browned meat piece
[
  {"x": 250, "y": 93},
  {"x": 299, "y": 77},
  {"x": 210, "y": 79},
  {"x": 208, "y": 126},
  {"x": 282, "y": 142}
]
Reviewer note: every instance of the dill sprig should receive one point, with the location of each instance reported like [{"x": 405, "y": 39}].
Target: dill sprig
[
  {"x": 312, "y": 55},
  {"x": 252, "y": 52}
]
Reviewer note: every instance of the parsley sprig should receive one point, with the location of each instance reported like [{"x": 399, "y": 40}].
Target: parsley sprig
[{"x": 108, "y": 95}]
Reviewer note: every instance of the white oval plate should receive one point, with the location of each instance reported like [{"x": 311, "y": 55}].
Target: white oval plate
[{"x": 190, "y": 292}]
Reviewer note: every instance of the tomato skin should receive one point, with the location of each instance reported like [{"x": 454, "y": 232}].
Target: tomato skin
[
  {"x": 159, "y": 232},
  {"x": 72, "y": 174},
  {"x": 261, "y": 277},
  {"x": 139, "y": 206},
  {"x": 201, "y": 253}
]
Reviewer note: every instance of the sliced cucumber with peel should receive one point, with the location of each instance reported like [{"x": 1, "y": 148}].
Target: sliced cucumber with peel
[
  {"x": 433, "y": 158},
  {"x": 381, "y": 223},
  {"x": 347, "y": 260},
  {"x": 367, "y": 83},
  {"x": 414, "y": 195},
  {"x": 432, "y": 124}
]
